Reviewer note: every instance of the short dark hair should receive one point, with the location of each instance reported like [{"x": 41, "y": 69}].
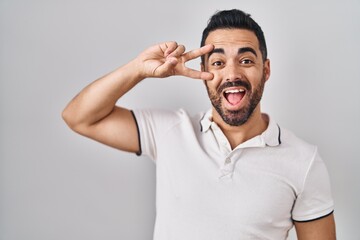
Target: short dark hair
[{"x": 234, "y": 19}]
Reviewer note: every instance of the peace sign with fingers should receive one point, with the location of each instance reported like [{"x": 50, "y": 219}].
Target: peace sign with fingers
[{"x": 169, "y": 58}]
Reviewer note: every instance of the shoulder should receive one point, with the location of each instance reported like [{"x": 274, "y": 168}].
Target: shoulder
[
  {"x": 166, "y": 118},
  {"x": 298, "y": 155},
  {"x": 298, "y": 146},
  {"x": 165, "y": 114},
  {"x": 285, "y": 141}
]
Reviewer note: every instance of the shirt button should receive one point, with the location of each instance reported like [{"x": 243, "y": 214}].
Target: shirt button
[{"x": 227, "y": 161}]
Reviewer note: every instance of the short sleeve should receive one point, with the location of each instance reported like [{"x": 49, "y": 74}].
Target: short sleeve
[
  {"x": 315, "y": 200},
  {"x": 152, "y": 124}
]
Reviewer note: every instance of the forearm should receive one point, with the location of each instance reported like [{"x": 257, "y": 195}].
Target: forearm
[{"x": 98, "y": 99}]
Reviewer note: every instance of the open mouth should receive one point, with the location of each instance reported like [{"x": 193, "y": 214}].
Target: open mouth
[{"x": 234, "y": 95}]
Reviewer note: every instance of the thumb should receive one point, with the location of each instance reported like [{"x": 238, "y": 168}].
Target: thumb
[{"x": 171, "y": 60}]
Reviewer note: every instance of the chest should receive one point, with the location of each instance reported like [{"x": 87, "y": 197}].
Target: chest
[{"x": 232, "y": 186}]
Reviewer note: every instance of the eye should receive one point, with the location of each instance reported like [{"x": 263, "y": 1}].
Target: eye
[
  {"x": 217, "y": 63},
  {"x": 246, "y": 61}
]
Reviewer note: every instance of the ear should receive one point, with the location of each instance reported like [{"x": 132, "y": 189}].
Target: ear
[{"x": 267, "y": 69}]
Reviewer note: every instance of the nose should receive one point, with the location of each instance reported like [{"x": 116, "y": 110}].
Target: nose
[{"x": 231, "y": 72}]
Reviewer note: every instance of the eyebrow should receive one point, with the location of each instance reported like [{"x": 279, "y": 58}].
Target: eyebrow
[
  {"x": 240, "y": 51},
  {"x": 216, "y": 50},
  {"x": 247, "y": 49}
]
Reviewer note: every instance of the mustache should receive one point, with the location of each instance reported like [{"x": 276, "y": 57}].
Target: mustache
[{"x": 237, "y": 83}]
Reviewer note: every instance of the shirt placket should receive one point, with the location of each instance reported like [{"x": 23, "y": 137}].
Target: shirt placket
[{"x": 227, "y": 164}]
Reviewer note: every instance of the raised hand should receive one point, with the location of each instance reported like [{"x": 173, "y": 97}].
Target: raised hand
[{"x": 169, "y": 58}]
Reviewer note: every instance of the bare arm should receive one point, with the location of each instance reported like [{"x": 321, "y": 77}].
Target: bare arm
[
  {"x": 321, "y": 229},
  {"x": 93, "y": 112}
]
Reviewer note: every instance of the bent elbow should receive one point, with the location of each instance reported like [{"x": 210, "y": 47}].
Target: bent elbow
[
  {"x": 69, "y": 119},
  {"x": 74, "y": 122}
]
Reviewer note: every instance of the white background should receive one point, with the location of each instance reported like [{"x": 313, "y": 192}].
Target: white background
[{"x": 55, "y": 184}]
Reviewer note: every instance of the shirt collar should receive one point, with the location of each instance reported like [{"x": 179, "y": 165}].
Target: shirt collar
[
  {"x": 206, "y": 120},
  {"x": 271, "y": 136}
]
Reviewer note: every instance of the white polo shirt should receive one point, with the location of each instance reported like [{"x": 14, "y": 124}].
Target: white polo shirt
[{"x": 207, "y": 191}]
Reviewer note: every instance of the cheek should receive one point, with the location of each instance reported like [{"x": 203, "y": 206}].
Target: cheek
[{"x": 254, "y": 77}]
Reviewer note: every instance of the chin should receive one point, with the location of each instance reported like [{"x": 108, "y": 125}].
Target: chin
[{"x": 235, "y": 119}]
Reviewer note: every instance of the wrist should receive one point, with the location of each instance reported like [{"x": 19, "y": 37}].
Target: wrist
[{"x": 136, "y": 66}]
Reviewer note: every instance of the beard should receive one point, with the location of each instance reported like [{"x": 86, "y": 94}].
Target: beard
[{"x": 241, "y": 116}]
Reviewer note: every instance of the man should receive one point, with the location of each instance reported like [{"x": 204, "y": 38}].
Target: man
[{"x": 231, "y": 173}]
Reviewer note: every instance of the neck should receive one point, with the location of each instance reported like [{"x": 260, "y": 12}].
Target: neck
[{"x": 255, "y": 125}]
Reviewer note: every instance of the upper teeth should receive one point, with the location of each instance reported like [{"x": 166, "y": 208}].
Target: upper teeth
[{"x": 234, "y": 90}]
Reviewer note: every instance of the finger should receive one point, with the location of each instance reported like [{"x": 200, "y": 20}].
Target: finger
[
  {"x": 167, "y": 68},
  {"x": 188, "y": 72},
  {"x": 169, "y": 47},
  {"x": 198, "y": 52},
  {"x": 207, "y": 76},
  {"x": 180, "y": 49}
]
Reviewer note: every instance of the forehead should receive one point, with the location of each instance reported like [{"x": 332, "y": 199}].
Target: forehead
[{"x": 223, "y": 38}]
